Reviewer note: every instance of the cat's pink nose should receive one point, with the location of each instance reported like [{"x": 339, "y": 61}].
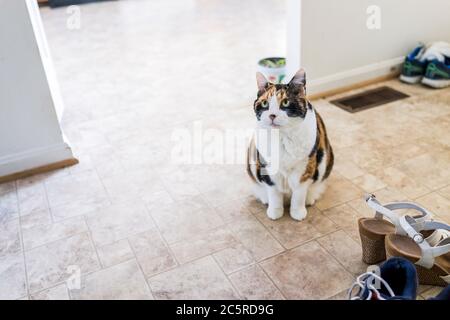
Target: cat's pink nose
[{"x": 272, "y": 117}]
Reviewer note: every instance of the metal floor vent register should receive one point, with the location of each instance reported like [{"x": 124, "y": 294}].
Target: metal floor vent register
[{"x": 369, "y": 99}]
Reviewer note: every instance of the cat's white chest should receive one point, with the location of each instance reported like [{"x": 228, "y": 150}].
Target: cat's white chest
[
  {"x": 293, "y": 154},
  {"x": 294, "y": 149}
]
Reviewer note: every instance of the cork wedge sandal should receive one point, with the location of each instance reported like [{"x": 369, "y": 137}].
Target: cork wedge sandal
[
  {"x": 373, "y": 231},
  {"x": 432, "y": 260}
]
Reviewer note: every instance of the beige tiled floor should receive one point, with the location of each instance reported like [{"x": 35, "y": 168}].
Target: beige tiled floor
[{"x": 137, "y": 226}]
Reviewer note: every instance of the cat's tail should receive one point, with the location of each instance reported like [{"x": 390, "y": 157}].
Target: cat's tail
[
  {"x": 250, "y": 160},
  {"x": 315, "y": 191},
  {"x": 258, "y": 189}
]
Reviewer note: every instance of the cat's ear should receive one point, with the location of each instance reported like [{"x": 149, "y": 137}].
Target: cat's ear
[
  {"x": 299, "y": 78},
  {"x": 298, "y": 82},
  {"x": 261, "y": 81}
]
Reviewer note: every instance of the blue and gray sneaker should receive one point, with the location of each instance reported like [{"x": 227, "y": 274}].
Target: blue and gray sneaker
[
  {"x": 437, "y": 74},
  {"x": 414, "y": 66},
  {"x": 396, "y": 279}
]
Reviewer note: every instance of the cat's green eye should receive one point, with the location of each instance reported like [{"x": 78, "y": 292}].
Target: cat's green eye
[
  {"x": 264, "y": 103},
  {"x": 285, "y": 103}
]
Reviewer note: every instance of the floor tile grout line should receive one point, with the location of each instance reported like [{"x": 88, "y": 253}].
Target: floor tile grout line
[
  {"x": 297, "y": 245},
  {"x": 89, "y": 273},
  {"x": 142, "y": 270},
  {"x": 178, "y": 202},
  {"x": 17, "y": 209},
  {"x": 241, "y": 297},
  {"x": 424, "y": 195},
  {"x": 196, "y": 259},
  {"x": 333, "y": 255},
  {"x": 303, "y": 242},
  {"x": 253, "y": 263},
  {"x": 65, "y": 238},
  {"x": 56, "y": 240},
  {"x": 79, "y": 217},
  {"x": 199, "y": 194},
  {"x": 352, "y": 276},
  {"x": 148, "y": 277},
  {"x": 47, "y": 201},
  {"x": 91, "y": 240},
  {"x": 224, "y": 225},
  {"x": 117, "y": 263},
  {"x": 441, "y": 194},
  {"x": 348, "y": 234},
  {"x": 103, "y": 185},
  {"x": 163, "y": 271},
  {"x": 217, "y": 251},
  {"x": 272, "y": 281},
  {"x": 27, "y": 282},
  {"x": 367, "y": 170},
  {"x": 268, "y": 230},
  {"x": 340, "y": 204},
  {"x": 248, "y": 249},
  {"x": 49, "y": 288},
  {"x": 258, "y": 262},
  {"x": 161, "y": 235},
  {"x": 204, "y": 255},
  {"x": 137, "y": 259},
  {"x": 89, "y": 212}
]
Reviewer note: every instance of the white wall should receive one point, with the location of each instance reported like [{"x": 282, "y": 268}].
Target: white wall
[
  {"x": 30, "y": 135},
  {"x": 337, "y": 49}
]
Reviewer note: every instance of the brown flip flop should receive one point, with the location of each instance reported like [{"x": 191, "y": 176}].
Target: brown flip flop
[
  {"x": 432, "y": 261},
  {"x": 373, "y": 231}
]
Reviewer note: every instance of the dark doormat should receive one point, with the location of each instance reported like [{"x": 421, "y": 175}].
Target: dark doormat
[{"x": 369, "y": 99}]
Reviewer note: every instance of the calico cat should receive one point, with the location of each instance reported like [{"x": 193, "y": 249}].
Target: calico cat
[{"x": 305, "y": 157}]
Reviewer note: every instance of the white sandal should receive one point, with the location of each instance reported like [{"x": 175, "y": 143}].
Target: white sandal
[
  {"x": 374, "y": 230},
  {"x": 430, "y": 255}
]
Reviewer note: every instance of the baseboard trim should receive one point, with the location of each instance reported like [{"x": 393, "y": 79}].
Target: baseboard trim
[
  {"x": 38, "y": 170},
  {"x": 34, "y": 161},
  {"x": 325, "y": 94},
  {"x": 355, "y": 78}
]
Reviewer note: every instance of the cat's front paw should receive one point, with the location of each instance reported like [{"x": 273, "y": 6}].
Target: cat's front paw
[
  {"x": 275, "y": 213},
  {"x": 298, "y": 213}
]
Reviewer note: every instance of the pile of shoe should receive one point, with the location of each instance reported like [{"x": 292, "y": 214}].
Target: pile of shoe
[
  {"x": 417, "y": 249},
  {"x": 428, "y": 64}
]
